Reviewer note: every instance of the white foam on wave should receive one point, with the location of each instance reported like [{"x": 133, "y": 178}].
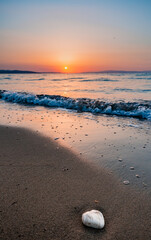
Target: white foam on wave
[{"x": 141, "y": 110}]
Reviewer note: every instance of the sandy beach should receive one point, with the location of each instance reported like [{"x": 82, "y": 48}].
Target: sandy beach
[
  {"x": 45, "y": 189},
  {"x": 75, "y": 120}
]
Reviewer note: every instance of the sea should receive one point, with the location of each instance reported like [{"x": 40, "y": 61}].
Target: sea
[{"x": 103, "y": 117}]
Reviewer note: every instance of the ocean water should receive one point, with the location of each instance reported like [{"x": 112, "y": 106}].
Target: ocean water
[
  {"x": 119, "y": 94},
  {"x": 105, "y": 118}
]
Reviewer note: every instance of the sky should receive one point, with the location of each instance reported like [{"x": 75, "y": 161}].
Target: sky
[{"x": 84, "y": 35}]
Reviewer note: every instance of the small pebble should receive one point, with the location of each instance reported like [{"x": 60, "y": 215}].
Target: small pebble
[
  {"x": 126, "y": 182},
  {"x": 56, "y": 138},
  {"x": 65, "y": 169},
  {"x": 137, "y": 176},
  {"x": 131, "y": 168}
]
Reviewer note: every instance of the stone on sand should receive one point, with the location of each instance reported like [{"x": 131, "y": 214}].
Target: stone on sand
[
  {"x": 94, "y": 219},
  {"x": 126, "y": 182}
]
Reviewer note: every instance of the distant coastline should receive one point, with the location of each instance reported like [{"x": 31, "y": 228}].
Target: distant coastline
[
  {"x": 33, "y": 72},
  {"x": 21, "y": 72},
  {"x": 15, "y": 71}
]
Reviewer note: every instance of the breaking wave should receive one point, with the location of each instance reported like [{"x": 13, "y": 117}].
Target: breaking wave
[{"x": 141, "y": 110}]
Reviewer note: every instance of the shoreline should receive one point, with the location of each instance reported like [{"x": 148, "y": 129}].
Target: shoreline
[
  {"x": 46, "y": 188},
  {"x": 128, "y": 139}
]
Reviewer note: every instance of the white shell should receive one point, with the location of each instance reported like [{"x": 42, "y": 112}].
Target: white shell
[{"x": 94, "y": 219}]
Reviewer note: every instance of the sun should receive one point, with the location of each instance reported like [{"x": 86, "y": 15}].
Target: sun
[{"x": 65, "y": 68}]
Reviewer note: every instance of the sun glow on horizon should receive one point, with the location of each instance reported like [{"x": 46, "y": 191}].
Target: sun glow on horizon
[{"x": 61, "y": 36}]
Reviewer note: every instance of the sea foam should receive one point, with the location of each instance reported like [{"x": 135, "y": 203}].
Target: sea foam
[{"x": 141, "y": 110}]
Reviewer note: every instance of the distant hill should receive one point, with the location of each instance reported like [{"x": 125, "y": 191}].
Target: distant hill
[
  {"x": 22, "y": 72},
  {"x": 119, "y": 71},
  {"x": 15, "y": 71}
]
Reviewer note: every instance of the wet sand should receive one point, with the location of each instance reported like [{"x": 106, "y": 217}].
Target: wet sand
[
  {"x": 101, "y": 140},
  {"x": 45, "y": 188}
]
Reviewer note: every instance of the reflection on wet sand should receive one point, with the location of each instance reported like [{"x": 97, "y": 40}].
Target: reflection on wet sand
[{"x": 117, "y": 144}]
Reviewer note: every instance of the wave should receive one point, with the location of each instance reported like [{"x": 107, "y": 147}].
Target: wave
[
  {"x": 57, "y": 80},
  {"x": 132, "y": 90},
  {"x": 88, "y": 90},
  {"x": 65, "y": 79},
  {"x": 7, "y": 78},
  {"x": 138, "y": 78},
  {"x": 40, "y": 79},
  {"x": 99, "y": 80},
  {"x": 76, "y": 78},
  {"x": 141, "y": 110},
  {"x": 35, "y": 79}
]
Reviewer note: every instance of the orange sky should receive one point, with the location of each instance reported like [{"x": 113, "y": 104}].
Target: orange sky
[{"x": 83, "y": 35}]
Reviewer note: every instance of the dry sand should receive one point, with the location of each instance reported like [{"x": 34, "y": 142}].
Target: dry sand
[{"x": 45, "y": 189}]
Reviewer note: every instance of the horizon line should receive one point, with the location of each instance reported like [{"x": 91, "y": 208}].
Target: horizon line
[{"x": 4, "y": 71}]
